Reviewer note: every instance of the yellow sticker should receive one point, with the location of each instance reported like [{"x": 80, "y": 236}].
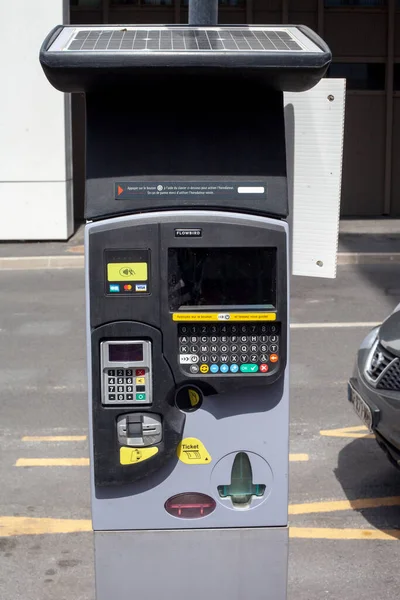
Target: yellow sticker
[
  {"x": 127, "y": 271},
  {"x": 224, "y": 317},
  {"x": 131, "y": 456},
  {"x": 194, "y": 397},
  {"x": 192, "y": 451}
]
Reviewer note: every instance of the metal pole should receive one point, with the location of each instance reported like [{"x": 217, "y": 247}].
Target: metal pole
[{"x": 203, "y": 12}]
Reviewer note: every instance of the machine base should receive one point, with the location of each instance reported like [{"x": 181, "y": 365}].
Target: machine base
[{"x": 200, "y": 564}]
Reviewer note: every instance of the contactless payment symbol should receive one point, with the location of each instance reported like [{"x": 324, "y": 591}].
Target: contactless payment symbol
[{"x": 127, "y": 271}]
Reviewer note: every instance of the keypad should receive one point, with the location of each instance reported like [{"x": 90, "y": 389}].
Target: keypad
[
  {"x": 240, "y": 348},
  {"x": 126, "y": 386}
]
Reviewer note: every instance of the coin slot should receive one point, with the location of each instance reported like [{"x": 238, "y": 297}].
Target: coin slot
[{"x": 241, "y": 490}]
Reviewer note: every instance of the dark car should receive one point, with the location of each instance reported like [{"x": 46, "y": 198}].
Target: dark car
[{"x": 374, "y": 389}]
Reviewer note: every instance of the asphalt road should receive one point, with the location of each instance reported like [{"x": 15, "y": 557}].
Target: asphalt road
[{"x": 43, "y": 393}]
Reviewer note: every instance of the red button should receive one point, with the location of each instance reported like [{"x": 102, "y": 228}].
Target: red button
[
  {"x": 263, "y": 368},
  {"x": 274, "y": 358},
  {"x": 140, "y": 372}
]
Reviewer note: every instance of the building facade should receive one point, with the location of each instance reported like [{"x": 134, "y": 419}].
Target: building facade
[{"x": 364, "y": 36}]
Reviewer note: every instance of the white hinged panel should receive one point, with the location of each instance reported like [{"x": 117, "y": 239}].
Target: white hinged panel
[{"x": 314, "y": 146}]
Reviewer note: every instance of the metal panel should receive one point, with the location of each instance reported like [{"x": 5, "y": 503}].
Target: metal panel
[
  {"x": 356, "y": 33},
  {"x": 396, "y": 160},
  {"x": 234, "y": 564},
  {"x": 314, "y": 142},
  {"x": 364, "y": 155}
]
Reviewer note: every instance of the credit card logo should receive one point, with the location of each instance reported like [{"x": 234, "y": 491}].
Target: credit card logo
[
  {"x": 114, "y": 287},
  {"x": 141, "y": 287}
]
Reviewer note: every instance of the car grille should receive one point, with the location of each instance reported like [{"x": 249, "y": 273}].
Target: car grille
[
  {"x": 383, "y": 369},
  {"x": 390, "y": 380}
]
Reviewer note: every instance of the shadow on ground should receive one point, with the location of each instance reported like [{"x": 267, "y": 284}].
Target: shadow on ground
[{"x": 363, "y": 471}]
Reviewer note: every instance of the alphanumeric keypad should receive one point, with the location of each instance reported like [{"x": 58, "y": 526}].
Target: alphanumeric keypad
[{"x": 242, "y": 347}]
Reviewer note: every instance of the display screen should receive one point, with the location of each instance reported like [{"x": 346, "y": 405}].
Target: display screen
[
  {"x": 221, "y": 277},
  {"x": 125, "y": 352}
]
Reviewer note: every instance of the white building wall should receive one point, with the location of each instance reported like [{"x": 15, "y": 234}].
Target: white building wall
[{"x": 35, "y": 136}]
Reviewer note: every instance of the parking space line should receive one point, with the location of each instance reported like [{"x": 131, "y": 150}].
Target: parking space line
[
  {"x": 52, "y": 462},
  {"x": 84, "y": 462},
  {"x": 298, "y": 457},
  {"x": 358, "y": 431},
  {"x": 340, "y": 505},
  {"x": 54, "y": 438},
  {"x": 321, "y": 533},
  {"x": 327, "y": 325},
  {"x": 11, "y": 526},
  {"x": 16, "y": 526}
]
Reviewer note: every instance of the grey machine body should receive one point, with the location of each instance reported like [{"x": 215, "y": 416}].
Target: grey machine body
[
  {"x": 187, "y": 298},
  {"x": 231, "y": 553}
]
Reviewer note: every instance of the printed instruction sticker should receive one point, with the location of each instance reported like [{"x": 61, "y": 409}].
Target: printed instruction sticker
[
  {"x": 194, "y": 397},
  {"x": 192, "y": 451},
  {"x": 131, "y": 456}
]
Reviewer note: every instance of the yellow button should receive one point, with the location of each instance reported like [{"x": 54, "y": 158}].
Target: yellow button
[
  {"x": 127, "y": 271},
  {"x": 204, "y": 368},
  {"x": 140, "y": 380}
]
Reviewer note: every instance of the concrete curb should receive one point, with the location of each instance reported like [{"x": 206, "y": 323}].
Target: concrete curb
[
  {"x": 367, "y": 258},
  {"x": 21, "y": 263}
]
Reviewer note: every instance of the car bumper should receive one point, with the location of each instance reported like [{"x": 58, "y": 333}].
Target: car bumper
[{"x": 384, "y": 405}]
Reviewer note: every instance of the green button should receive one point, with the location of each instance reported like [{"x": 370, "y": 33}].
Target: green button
[
  {"x": 249, "y": 368},
  {"x": 140, "y": 397}
]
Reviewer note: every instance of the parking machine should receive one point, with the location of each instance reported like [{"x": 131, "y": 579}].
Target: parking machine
[{"x": 187, "y": 300}]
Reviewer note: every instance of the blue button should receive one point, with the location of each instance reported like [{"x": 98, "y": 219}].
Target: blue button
[
  {"x": 234, "y": 368},
  {"x": 214, "y": 368},
  {"x": 224, "y": 368},
  {"x": 114, "y": 287}
]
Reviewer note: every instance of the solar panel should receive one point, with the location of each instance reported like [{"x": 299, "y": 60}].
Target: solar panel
[{"x": 186, "y": 39}]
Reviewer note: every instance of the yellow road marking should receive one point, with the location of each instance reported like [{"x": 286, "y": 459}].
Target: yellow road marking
[
  {"x": 321, "y": 533},
  {"x": 52, "y": 462},
  {"x": 358, "y": 431},
  {"x": 339, "y": 505},
  {"x": 13, "y": 526},
  {"x": 10, "y": 526},
  {"x": 298, "y": 457},
  {"x": 54, "y": 438},
  {"x": 84, "y": 462}
]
